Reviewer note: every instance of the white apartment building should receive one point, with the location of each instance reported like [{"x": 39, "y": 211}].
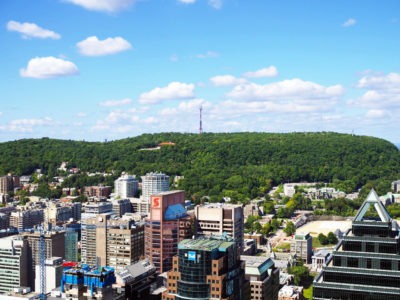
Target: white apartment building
[{"x": 126, "y": 186}]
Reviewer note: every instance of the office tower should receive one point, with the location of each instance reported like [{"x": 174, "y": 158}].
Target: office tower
[
  {"x": 25, "y": 219},
  {"x": 125, "y": 243},
  {"x": 365, "y": 264},
  {"x": 121, "y": 206},
  {"x": 126, "y": 186},
  {"x": 216, "y": 219},
  {"x": 54, "y": 246},
  {"x": 301, "y": 246},
  {"x": 53, "y": 270},
  {"x": 154, "y": 183},
  {"x": 88, "y": 233},
  {"x": 263, "y": 277},
  {"x": 115, "y": 242},
  {"x": 14, "y": 262},
  {"x": 169, "y": 223},
  {"x": 207, "y": 268},
  {"x": 71, "y": 245}
]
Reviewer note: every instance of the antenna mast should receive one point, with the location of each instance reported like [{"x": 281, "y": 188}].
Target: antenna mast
[{"x": 201, "y": 120}]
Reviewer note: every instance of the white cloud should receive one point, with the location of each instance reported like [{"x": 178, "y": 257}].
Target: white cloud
[
  {"x": 187, "y": 1},
  {"x": 383, "y": 92},
  {"x": 31, "y": 30},
  {"x": 271, "y": 71},
  {"x": 49, "y": 67},
  {"x": 226, "y": 80},
  {"x": 124, "y": 101},
  {"x": 82, "y": 114},
  {"x": 174, "y": 90},
  {"x": 349, "y": 22},
  {"x": 287, "y": 89},
  {"x": 27, "y": 125},
  {"x": 208, "y": 54},
  {"x": 92, "y": 46},
  {"x": 103, "y": 5},
  {"x": 191, "y": 106},
  {"x": 217, "y": 4},
  {"x": 390, "y": 81},
  {"x": 375, "y": 113}
]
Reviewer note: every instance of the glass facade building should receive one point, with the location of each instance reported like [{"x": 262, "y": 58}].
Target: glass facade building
[
  {"x": 206, "y": 268},
  {"x": 365, "y": 265}
]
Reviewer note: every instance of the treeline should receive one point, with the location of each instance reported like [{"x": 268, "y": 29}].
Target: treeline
[{"x": 237, "y": 165}]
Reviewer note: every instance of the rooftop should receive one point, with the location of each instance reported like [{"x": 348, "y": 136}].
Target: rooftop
[{"x": 207, "y": 243}]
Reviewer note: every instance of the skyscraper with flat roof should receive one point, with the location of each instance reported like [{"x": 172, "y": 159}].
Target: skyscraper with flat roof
[
  {"x": 207, "y": 268},
  {"x": 168, "y": 224},
  {"x": 153, "y": 183}
]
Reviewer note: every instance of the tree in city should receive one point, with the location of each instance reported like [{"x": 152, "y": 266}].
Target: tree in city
[{"x": 290, "y": 228}]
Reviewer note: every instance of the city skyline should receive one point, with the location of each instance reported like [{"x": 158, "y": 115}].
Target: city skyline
[{"x": 110, "y": 69}]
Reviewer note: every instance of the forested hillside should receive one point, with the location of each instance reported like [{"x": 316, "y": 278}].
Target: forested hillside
[{"x": 240, "y": 165}]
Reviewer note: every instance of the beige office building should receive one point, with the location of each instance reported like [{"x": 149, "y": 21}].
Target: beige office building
[{"x": 219, "y": 219}]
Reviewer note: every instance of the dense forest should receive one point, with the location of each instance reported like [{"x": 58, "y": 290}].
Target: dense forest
[{"x": 237, "y": 165}]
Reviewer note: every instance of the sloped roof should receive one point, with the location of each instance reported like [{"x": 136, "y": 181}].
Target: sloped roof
[{"x": 373, "y": 199}]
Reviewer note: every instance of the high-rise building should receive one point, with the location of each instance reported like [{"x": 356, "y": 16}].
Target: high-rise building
[
  {"x": 126, "y": 186},
  {"x": 207, "y": 268},
  {"x": 115, "y": 242},
  {"x": 168, "y": 224},
  {"x": 263, "y": 277},
  {"x": 121, "y": 206},
  {"x": 14, "y": 262},
  {"x": 217, "y": 219},
  {"x": 365, "y": 264},
  {"x": 154, "y": 183},
  {"x": 301, "y": 246},
  {"x": 25, "y": 219},
  {"x": 54, "y": 246},
  {"x": 71, "y": 245},
  {"x": 53, "y": 273}
]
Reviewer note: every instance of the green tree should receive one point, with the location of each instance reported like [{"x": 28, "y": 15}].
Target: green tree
[
  {"x": 290, "y": 228},
  {"x": 332, "y": 239},
  {"x": 323, "y": 239}
]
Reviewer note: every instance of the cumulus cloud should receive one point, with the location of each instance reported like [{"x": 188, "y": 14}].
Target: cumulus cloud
[
  {"x": 82, "y": 114},
  {"x": 208, "y": 54},
  {"x": 174, "y": 90},
  {"x": 271, "y": 71},
  {"x": 103, "y": 5},
  {"x": 226, "y": 80},
  {"x": 31, "y": 30},
  {"x": 349, "y": 22},
  {"x": 124, "y": 101},
  {"x": 289, "y": 89},
  {"x": 191, "y": 106},
  {"x": 383, "y": 92},
  {"x": 92, "y": 46},
  {"x": 49, "y": 67},
  {"x": 217, "y": 4}
]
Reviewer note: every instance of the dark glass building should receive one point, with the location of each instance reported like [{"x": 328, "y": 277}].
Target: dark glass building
[
  {"x": 365, "y": 265},
  {"x": 207, "y": 268}
]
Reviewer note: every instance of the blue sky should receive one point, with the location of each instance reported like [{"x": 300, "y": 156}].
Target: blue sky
[{"x": 109, "y": 69}]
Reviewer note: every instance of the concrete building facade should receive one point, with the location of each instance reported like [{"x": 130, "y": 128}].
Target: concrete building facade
[
  {"x": 301, "y": 246},
  {"x": 14, "y": 263},
  {"x": 217, "y": 219}
]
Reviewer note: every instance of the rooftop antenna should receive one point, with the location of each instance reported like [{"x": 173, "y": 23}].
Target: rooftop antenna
[{"x": 201, "y": 120}]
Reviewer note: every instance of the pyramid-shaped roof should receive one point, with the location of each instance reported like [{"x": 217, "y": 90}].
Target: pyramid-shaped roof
[{"x": 373, "y": 199}]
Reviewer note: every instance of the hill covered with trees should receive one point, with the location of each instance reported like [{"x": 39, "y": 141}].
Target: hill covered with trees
[{"x": 237, "y": 165}]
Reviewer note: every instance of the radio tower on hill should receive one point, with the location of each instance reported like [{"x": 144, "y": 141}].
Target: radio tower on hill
[{"x": 201, "y": 120}]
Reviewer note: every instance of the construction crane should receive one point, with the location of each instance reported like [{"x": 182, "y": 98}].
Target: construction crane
[{"x": 42, "y": 244}]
